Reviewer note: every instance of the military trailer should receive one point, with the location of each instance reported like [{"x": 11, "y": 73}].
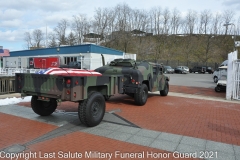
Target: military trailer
[
  {"x": 86, "y": 87},
  {"x": 139, "y": 78}
]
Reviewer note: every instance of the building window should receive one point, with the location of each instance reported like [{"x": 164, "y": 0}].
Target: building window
[{"x": 69, "y": 59}]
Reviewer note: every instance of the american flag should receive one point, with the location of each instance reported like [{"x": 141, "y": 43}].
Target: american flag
[
  {"x": 69, "y": 72},
  {"x": 4, "y": 52}
]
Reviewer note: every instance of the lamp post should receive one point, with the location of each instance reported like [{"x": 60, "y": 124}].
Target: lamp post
[{"x": 234, "y": 39}]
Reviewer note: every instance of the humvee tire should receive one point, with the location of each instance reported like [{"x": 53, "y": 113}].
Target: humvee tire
[
  {"x": 43, "y": 108},
  {"x": 130, "y": 94},
  {"x": 92, "y": 110},
  {"x": 107, "y": 98},
  {"x": 166, "y": 89},
  {"x": 217, "y": 89},
  {"x": 142, "y": 95}
]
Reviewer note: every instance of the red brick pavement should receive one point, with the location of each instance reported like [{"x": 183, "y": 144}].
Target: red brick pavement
[
  {"x": 16, "y": 130},
  {"x": 212, "y": 120},
  {"x": 197, "y": 91},
  {"x": 80, "y": 143}
]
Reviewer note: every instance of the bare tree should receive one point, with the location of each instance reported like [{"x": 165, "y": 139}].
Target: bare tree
[
  {"x": 34, "y": 39},
  {"x": 52, "y": 40},
  {"x": 102, "y": 21},
  {"x": 227, "y": 18},
  {"x": 37, "y": 37},
  {"x": 80, "y": 26},
  {"x": 190, "y": 21},
  {"x": 123, "y": 12},
  {"x": 60, "y": 31},
  {"x": 205, "y": 20},
  {"x": 71, "y": 39},
  {"x": 155, "y": 15},
  {"x": 166, "y": 20},
  {"x": 216, "y": 24},
  {"x": 139, "y": 20},
  {"x": 175, "y": 21},
  {"x": 28, "y": 39}
]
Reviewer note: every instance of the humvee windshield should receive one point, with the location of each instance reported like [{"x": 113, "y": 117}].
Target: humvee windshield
[{"x": 122, "y": 63}]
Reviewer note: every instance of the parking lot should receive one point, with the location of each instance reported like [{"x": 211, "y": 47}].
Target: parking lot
[
  {"x": 192, "y": 80},
  {"x": 192, "y": 122}
]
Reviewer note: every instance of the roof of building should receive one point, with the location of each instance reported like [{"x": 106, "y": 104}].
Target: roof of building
[{"x": 85, "y": 48}]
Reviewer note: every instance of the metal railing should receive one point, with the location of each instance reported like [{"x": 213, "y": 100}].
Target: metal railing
[
  {"x": 7, "y": 84},
  {"x": 12, "y": 71},
  {"x": 7, "y": 78}
]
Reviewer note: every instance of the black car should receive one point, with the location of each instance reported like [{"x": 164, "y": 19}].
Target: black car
[
  {"x": 198, "y": 69},
  {"x": 209, "y": 70}
]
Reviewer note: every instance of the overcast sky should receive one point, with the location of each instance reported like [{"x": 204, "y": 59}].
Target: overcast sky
[{"x": 20, "y": 16}]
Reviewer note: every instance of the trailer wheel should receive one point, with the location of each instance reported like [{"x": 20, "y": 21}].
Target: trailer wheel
[
  {"x": 142, "y": 95},
  {"x": 43, "y": 108},
  {"x": 92, "y": 110},
  {"x": 166, "y": 89}
]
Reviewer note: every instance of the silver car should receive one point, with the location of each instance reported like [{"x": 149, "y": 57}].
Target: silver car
[
  {"x": 168, "y": 69},
  {"x": 181, "y": 69}
]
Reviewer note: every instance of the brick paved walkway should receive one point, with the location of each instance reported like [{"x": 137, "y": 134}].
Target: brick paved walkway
[{"x": 171, "y": 115}]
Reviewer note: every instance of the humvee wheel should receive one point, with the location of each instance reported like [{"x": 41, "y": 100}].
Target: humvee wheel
[
  {"x": 142, "y": 95},
  {"x": 107, "y": 98},
  {"x": 92, "y": 110},
  {"x": 130, "y": 94},
  {"x": 166, "y": 89},
  {"x": 43, "y": 108},
  {"x": 215, "y": 79}
]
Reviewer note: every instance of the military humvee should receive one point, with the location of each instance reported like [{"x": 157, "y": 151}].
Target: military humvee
[{"x": 139, "y": 78}]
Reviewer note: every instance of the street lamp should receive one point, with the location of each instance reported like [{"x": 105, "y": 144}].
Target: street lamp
[{"x": 227, "y": 24}]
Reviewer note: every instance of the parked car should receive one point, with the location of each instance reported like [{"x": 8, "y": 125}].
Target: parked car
[
  {"x": 198, "y": 69},
  {"x": 221, "y": 84},
  {"x": 168, "y": 69},
  {"x": 221, "y": 71},
  {"x": 181, "y": 69},
  {"x": 209, "y": 70}
]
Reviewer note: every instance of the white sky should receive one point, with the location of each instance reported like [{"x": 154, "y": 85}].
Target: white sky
[{"x": 20, "y": 16}]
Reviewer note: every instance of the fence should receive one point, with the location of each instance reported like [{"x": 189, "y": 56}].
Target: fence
[
  {"x": 12, "y": 71},
  {"x": 236, "y": 80},
  {"x": 7, "y": 78},
  {"x": 7, "y": 84}
]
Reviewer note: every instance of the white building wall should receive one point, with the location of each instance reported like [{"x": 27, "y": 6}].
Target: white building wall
[
  {"x": 130, "y": 56},
  {"x": 90, "y": 60},
  {"x": 95, "y": 59}
]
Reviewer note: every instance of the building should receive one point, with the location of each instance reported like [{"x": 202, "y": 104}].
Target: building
[
  {"x": 3, "y": 53},
  {"x": 88, "y": 54}
]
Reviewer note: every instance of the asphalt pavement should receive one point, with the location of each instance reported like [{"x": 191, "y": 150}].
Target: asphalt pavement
[{"x": 192, "y": 80}]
